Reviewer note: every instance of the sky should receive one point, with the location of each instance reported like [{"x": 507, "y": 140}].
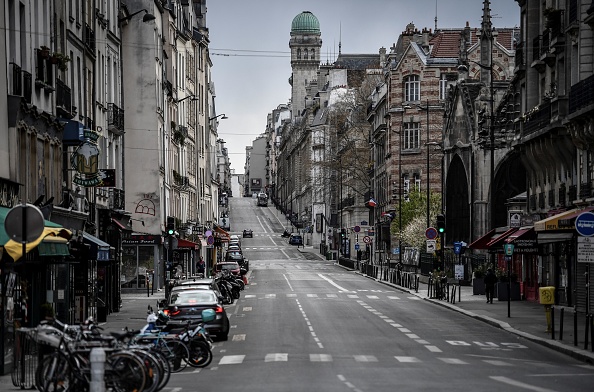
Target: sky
[{"x": 249, "y": 47}]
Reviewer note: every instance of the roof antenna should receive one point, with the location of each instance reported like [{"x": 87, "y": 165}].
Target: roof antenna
[
  {"x": 340, "y": 39},
  {"x": 435, "y": 29}
]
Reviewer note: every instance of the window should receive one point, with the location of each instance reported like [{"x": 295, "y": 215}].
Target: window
[
  {"x": 412, "y": 88},
  {"x": 412, "y": 136},
  {"x": 443, "y": 86}
]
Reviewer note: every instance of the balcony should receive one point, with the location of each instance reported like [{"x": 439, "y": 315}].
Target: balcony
[
  {"x": 180, "y": 134},
  {"x": 63, "y": 100},
  {"x": 117, "y": 200},
  {"x": 538, "y": 119},
  {"x": 115, "y": 118},
  {"x": 179, "y": 180},
  {"x": 585, "y": 190},
  {"x": 89, "y": 37},
  {"x": 572, "y": 192},
  {"x": 17, "y": 80},
  {"x": 581, "y": 94}
]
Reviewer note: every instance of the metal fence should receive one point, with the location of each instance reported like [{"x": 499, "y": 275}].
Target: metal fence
[{"x": 25, "y": 358}]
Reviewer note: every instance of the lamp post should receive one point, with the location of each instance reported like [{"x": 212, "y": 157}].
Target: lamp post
[
  {"x": 426, "y": 109},
  {"x": 146, "y": 18},
  {"x": 222, "y": 116}
]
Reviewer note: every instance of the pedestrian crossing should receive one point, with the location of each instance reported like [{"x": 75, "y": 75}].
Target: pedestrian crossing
[
  {"x": 333, "y": 296},
  {"x": 357, "y": 358}
]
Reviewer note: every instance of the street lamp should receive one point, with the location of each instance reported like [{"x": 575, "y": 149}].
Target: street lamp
[
  {"x": 191, "y": 97},
  {"x": 146, "y": 18},
  {"x": 223, "y": 117},
  {"x": 426, "y": 109}
]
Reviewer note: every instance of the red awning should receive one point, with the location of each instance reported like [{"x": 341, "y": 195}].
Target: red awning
[
  {"x": 499, "y": 240},
  {"x": 224, "y": 235},
  {"x": 524, "y": 241},
  {"x": 481, "y": 242},
  {"x": 181, "y": 243}
]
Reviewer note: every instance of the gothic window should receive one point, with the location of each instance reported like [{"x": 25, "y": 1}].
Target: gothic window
[
  {"x": 412, "y": 88},
  {"x": 313, "y": 54},
  {"x": 298, "y": 54},
  {"x": 305, "y": 54},
  {"x": 412, "y": 136}
]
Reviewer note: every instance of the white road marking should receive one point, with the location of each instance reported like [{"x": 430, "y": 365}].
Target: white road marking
[
  {"x": 312, "y": 296},
  {"x": 372, "y": 297},
  {"x": 331, "y": 295},
  {"x": 270, "y": 296},
  {"x": 407, "y": 359},
  {"x": 421, "y": 341},
  {"x": 231, "y": 359},
  {"x": 332, "y": 283},
  {"x": 433, "y": 349},
  {"x": 365, "y": 358},
  {"x": 453, "y": 361},
  {"x": 519, "y": 384},
  {"x": 392, "y": 297},
  {"x": 276, "y": 357},
  {"x": 412, "y": 336},
  {"x": 352, "y": 296},
  {"x": 291, "y": 295},
  {"x": 497, "y": 363},
  {"x": 238, "y": 337},
  {"x": 249, "y": 296},
  {"x": 247, "y": 308},
  {"x": 404, "y": 330},
  {"x": 320, "y": 357}
]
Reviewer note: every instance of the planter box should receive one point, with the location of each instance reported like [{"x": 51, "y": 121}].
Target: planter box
[
  {"x": 478, "y": 286},
  {"x": 501, "y": 291}
]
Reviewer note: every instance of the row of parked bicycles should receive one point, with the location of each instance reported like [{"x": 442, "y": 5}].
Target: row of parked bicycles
[{"x": 134, "y": 360}]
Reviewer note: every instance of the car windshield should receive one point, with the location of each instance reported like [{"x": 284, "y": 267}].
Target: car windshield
[
  {"x": 234, "y": 255},
  {"x": 193, "y": 297}
]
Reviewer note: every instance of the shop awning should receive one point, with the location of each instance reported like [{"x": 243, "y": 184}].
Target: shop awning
[
  {"x": 15, "y": 249},
  {"x": 481, "y": 242},
  {"x": 186, "y": 244},
  {"x": 99, "y": 248},
  {"x": 53, "y": 246},
  {"x": 524, "y": 240},
  {"x": 122, "y": 225},
  {"x": 224, "y": 235},
  {"x": 561, "y": 221}
]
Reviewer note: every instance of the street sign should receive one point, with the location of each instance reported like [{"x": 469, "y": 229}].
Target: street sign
[
  {"x": 457, "y": 247},
  {"x": 459, "y": 272},
  {"x": 508, "y": 249},
  {"x": 431, "y": 246},
  {"x": 367, "y": 239},
  {"x": 210, "y": 240},
  {"x": 31, "y": 226},
  {"x": 585, "y": 250},
  {"x": 431, "y": 233},
  {"x": 357, "y": 229},
  {"x": 584, "y": 224},
  {"x": 357, "y": 246}
]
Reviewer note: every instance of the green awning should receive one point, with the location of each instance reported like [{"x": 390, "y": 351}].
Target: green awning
[{"x": 53, "y": 248}]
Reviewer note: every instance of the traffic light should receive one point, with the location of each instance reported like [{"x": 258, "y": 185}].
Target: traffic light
[
  {"x": 441, "y": 223},
  {"x": 170, "y": 225},
  {"x": 343, "y": 233}
]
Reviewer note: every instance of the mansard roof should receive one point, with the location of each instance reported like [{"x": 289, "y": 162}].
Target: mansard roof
[{"x": 357, "y": 61}]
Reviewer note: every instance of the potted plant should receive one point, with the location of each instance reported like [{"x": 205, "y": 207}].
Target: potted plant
[
  {"x": 478, "y": 280},
  {"x": 44, "y": 51},
  {"x": 61, "y": 60},
  {"x": 502, "y": 286}
]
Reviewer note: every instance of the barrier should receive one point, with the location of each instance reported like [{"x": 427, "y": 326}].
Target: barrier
[{"x": 26, "y": 356}]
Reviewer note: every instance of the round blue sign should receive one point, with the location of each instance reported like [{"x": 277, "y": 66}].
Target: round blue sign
[
  {"x": 357, "y": 246},
  {"x": 584, "y": 224}
]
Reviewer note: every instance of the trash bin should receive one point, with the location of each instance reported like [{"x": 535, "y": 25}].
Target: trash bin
[{"x": 328, "y": 255}]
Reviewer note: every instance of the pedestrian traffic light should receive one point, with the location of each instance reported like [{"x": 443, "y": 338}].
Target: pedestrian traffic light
[
  {"x": 170, "y": 225},
  {"x": 441, "y": 223}
]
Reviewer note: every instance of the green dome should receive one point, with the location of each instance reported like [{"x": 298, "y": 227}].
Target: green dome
[{"x": 305, "y": 22}]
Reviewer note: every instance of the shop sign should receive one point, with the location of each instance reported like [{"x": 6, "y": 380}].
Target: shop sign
[{"x": 143, "y": 240}]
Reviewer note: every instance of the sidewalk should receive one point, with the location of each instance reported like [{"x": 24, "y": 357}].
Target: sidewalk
[{"x": 527, "y": 319}]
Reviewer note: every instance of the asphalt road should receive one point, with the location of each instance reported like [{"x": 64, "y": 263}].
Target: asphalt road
[{"x": 305, "y": 324}]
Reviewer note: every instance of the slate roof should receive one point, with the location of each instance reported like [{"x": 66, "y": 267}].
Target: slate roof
[{"x": 357, "y": 61}]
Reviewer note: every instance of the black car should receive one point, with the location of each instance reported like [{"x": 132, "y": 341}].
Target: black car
[
  {"x": 248, "y": 233},
  {"x": 295, "y": 239},
  {"x": 187, "y": 305},
  {"x": 237, "y": 257}
]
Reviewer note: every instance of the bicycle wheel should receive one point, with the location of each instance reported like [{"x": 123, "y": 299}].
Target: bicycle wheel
[
  {"x": 125, "y": 372},
  {"x": 166, "y": 367},
  {"x": 154, "y": 369},
  {"x": 53, "y": 374},
  {"x": 200, "y": 354},
  {"x": 177, "y": 354}
]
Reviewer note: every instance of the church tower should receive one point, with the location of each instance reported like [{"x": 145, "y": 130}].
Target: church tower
[{"x": 305, "y": 45}]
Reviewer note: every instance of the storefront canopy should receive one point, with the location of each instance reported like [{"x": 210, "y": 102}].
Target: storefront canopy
[
  {"x": 99, "y": 249},
  {"x": 224, "y": 235},
  {"x": 15, "y": 249},
  {"x": 524, "y": 240},
  {"x": 562, "y": 221},
  {"x": 186, "y": 244}
]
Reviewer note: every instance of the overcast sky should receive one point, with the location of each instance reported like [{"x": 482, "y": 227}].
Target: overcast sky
[{"x": 249, "y": 46}]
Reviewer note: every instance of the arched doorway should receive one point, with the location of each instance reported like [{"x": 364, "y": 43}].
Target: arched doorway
[
  {"x": 458, "y": 208},
  {"x": 510, "y": 181}
]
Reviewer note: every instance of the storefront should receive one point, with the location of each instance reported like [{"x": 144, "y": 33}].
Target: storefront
[{"x": 142, "y": 255}]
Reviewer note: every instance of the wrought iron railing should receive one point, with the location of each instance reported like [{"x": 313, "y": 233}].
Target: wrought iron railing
[
  {"x": 585, "y": 190},
  {"x": 117, "y": 200},
  {"x": 539, "y": 119},
  {"x": 115, "y": 117},
  {"x": 89, "y": 36},
  {"x": 581, "y": 94},
  {"x": 63, "y": 96}
]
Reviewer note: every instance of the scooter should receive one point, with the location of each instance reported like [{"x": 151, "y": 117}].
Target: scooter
[{"x": 286, "y": 234}]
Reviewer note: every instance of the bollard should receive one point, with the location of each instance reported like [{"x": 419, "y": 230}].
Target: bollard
[
  {"x": 429, "y": 285},
  {"x": 553, "y": 322},
  {"x": 459, "y": 292},
  {"x": 97, "y": 370},
  {"x": 416, "y": 284},
  {"x": 575, "y": 330},
  {"x": 561, "y": 318},
  {"x": 587, "y": 332},
  {"x": 592, "y": 331},
  {"x": 548, "y": 317}
]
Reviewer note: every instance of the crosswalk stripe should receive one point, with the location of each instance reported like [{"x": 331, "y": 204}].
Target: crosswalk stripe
[
  {"x": 497, "y": 363},
  {"x": 231, "y": 359},
  {"x": 276, "y": 357},
  {"x": 320, "y": 358},
  {"x": 433, "y": 349},
  {"x": 453, "y": 361},
  {"x": 407, "y": 359},
  {"x": 365, "y": 358}
]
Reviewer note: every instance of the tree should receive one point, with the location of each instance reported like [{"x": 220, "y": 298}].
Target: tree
[{"x": 414, "y": 217}]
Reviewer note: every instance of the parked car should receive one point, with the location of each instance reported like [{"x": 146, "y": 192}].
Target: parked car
[
  {"x": 234, "y": 248},
  {"x": 295, "y": 239},
  {"x": 248, "y": 233},
  {"x": 196, "y": 284},
  {"x": 235, "y": 240},
  {"x": 231, "y": 266},
  {"x": 188, "y": 305},
  {"x": 237, "y": 257}
]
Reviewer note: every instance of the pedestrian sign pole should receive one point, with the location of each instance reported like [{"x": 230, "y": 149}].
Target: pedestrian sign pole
[{"x": 508, "y": 251}]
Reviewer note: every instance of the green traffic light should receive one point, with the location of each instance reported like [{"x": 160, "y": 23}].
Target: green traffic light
[
  {"x": 170, "y": 232},
  {"x": 441, "y": 229}
]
